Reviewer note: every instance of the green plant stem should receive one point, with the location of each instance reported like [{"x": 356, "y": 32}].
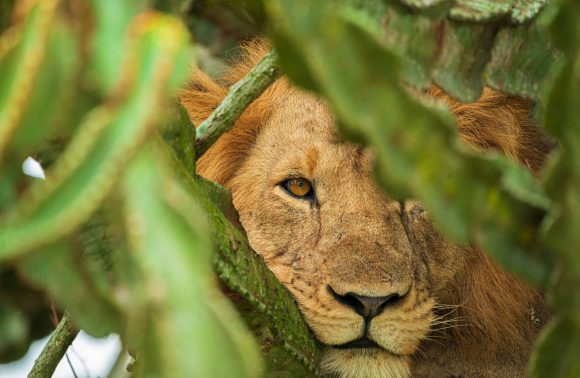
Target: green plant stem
[
  {"x": 55, "y": 349},
  {"x": 238, "y": 98}
]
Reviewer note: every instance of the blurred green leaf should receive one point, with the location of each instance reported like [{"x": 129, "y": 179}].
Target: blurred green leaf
[
  {"x": 86, "y": 170},
  {"x": 25, "y": 314},
  {"x": 52, "y": 92},
  {"x": 64, "y": 272},
  {"x": 50, "y": 100},
  {"x": 13, "y": 333},
  {"x": 184, "y": 310},
  {"x": 557, "y": 352},
  {"x": 24, "y": 47},
  {"x": 110, "y": 39},
  {"x": 5, "y": 14}
]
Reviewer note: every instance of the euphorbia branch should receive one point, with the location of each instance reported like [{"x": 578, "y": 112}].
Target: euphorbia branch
[
  {"x": 55, "y": 349},
  {"x": 238, "y": 98}
]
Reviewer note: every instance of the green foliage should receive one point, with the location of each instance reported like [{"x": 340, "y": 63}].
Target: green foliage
[
  {"x": 437, "y": 45},
  {"x": 557, "y": 351},
  {"x": 12, "y": 332},
  {"x": 120, "y": 234},
  {"x": 123, "y": 236},
  {"x": 482, "y": 199},
  {"x": 175, "y": 307}
]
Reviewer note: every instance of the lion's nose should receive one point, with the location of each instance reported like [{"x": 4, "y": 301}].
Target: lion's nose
[{"x": 367, "y": 307}]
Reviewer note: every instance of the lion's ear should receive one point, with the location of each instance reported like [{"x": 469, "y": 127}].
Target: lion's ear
[
  {"x": 201, "y": 96},
  {"x": 502, "y": 122}
]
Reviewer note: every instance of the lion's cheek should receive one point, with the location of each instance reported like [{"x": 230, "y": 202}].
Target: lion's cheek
[
  {"x": 400, "y": 339},
  {"x": 335, "y": 330},
  {"x": 282, "y": 272},
  {"x": 402, "y": 332}
]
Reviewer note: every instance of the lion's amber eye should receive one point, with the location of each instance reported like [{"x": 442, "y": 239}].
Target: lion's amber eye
[{"x": 298, "y": 187}]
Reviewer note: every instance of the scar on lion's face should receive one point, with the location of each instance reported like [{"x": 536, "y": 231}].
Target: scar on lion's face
[{"x": 378, "y": 285}]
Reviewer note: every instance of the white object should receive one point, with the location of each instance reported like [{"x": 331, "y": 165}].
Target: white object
[{"x": 32, "y": 168}]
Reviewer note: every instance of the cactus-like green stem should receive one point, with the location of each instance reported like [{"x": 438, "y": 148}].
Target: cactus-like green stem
[{"x": 240, "y": 95}]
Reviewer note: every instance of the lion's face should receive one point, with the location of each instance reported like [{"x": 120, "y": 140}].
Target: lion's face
[
  {"x": 384, "y": 291},
  {"x": 342, "y": 249}
]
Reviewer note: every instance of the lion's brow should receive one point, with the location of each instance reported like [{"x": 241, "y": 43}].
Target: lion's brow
[{"x": 311, "y": 159}]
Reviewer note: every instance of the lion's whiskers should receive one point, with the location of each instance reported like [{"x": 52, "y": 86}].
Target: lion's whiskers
[
  {"x": 453, "y": 307},
  {"x": 457, "y": 322},
  {"x": 447, "y": 319},
  {"x": 420, "y": 351},
  {"x": 430, "y": 338}
]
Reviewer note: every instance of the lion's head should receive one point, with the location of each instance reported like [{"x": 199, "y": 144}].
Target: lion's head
[{"x": 376, "y": 283}]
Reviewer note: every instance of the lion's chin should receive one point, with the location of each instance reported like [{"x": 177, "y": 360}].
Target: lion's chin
[{"x": 364, "y": 363}]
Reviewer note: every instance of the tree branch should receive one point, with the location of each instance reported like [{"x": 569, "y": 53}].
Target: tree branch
[
  {"x": 55, "y": 349},
  {"x": 238, "y": 98}
]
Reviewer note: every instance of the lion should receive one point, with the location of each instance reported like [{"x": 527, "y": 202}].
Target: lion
[{"x": 382, "y": 290}]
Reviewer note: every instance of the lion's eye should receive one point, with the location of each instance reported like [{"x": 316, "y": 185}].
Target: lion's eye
[{"x": 298, "y": 187}]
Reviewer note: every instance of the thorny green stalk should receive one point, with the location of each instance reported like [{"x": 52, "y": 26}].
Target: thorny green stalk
[{"x": 240, "y": 95}]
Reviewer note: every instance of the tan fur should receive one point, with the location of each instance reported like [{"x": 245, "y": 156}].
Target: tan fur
[
  {"x": 499, "y": 121},
  {"x": 459, "y": 313},
  {"x": 369, "y": 363}
]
